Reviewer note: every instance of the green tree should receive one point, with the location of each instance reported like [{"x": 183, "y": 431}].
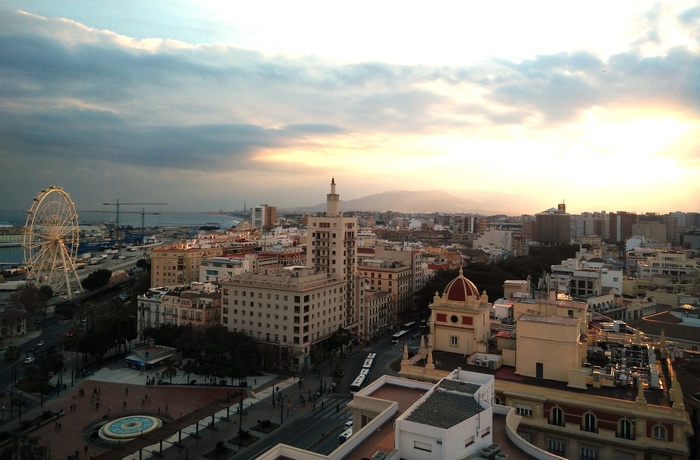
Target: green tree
[
  {"x": 170, "y": 371},
  {"x": 25, "y": 448},
  {"x": 29, "y": 298},
  {"x": 13, "y": 353},
  {"x": 97, "y": 279}
]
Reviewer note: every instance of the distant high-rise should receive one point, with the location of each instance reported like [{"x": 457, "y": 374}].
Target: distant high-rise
[
  {"x": 263, "y": 216},
  {"x": 621, "y": 225},
  {"x": 332, "y": 248},
  {"x": 553, "y": 226}
]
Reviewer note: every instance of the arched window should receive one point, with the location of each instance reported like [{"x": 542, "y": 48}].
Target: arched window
[
  {"x": 625, "y": 429},
  {"x": 496, "y": 400},
  {"x": 557, "y": 416},
  {"x": 589, "y": 423},
  {"x": 659, "y": 432}
]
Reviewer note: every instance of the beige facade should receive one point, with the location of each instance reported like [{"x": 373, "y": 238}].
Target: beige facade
[
  {"x": 395, "y": 279},
  {"x": 292, "y": 308},
  {"x": 567, "y": 408},
  {"x": 332, "y": 248},
  {"x": 459, "y": 319},
  {"x": 378, "y": 313},
  {"x": 179, "y": 263},
  {"x": 538, "y": 336}
]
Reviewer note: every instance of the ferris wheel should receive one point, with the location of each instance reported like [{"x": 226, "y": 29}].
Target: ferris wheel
[{"x": 51, "y": 238}]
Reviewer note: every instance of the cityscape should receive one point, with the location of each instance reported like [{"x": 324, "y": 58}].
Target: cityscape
[
  {"x": 512, "y": 271},
  {"x": 350, "y": 334}
]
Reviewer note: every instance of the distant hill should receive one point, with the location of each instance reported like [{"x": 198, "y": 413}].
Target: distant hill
[{"x": 405, "y": 201}]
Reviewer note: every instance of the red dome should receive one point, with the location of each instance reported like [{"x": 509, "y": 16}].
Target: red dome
[{"x": 460, "y": 288}]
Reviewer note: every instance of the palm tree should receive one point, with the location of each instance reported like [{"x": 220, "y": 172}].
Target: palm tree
[
  {"x": 13, "y": 353},
  {"x": 171, "y": 370}
]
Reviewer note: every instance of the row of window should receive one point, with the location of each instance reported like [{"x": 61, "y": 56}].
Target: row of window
[{"x": 625, "y": 427}]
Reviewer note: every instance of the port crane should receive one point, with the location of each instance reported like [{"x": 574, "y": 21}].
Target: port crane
[{"x": 143, "y": 213}]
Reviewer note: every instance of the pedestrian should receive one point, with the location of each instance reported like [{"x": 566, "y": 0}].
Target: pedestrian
[
  {"x": 59, "y": 427},
  {"x": 97, "y": 405},
  {"x": 86, "y": 449},
  {"x": 126, "y": 391},
  {"x": 124, "y": 405},
  {"x": 166, "y": 407},
  {"x": 323, "y": 403}
]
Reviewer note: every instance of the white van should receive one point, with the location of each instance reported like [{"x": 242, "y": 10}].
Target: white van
[{"x": 344, "y": 436}]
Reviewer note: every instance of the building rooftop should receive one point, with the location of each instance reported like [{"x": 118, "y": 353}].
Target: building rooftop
[{"x": 449, "y": 404}]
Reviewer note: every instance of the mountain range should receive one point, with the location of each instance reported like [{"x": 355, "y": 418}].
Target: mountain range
[{"x": 405, "y": 201}]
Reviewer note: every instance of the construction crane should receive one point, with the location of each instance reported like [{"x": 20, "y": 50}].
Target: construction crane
[{"x": 143, "y": 213}]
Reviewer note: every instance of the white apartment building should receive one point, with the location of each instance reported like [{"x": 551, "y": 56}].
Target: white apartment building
[
  {"x": 292, "y": 309},
  {"x": 332, "y": 248},
  {"x": 263, "y": 216},
  {"x": 673, "y": 263},
  {"x": 200, "y": 306}
]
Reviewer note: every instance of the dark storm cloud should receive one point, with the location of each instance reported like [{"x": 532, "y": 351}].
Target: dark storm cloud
[
  {"x": 84, "y": 93},
  {"x": 84, "y": 134}
]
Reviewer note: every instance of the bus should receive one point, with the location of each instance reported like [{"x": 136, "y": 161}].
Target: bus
[
  {"x": 409, "y": 326},
  {"x": 369, "y": 362},
  {"x": 396, "y": 338},
  {"x": 357, "y": 384}
]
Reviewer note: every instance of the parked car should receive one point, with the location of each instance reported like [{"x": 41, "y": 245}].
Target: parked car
[
  {"x": 40, "y": 343},
  {"x": 29, "y": 359},
  {"x": 379, "y": 455}
]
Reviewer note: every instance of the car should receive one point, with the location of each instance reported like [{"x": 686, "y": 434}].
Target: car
[
  {"x": 339, "y": 373},
  {"x": 379, "y": 455},
  {"x": 84, "y": 319},
  {"x": 37, "y": 321},
  {"x": 70, "y": 334},
  {"x": 29, "y": 359},
  {"x": 40, "y": 343},
  {"x": 348, "y": 424}
]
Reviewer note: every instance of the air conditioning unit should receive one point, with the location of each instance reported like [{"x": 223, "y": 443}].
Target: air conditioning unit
[
  {"x": 492, "y": 365},
  {"x": 477, "y": 362}
]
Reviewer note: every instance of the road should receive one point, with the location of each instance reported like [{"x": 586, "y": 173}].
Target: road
[{"x": 318, "y": 430}]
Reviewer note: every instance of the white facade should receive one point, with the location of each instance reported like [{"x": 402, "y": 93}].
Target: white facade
[
  {"x": 215, "y": 268},
  {"x": 454, "y": 419}
]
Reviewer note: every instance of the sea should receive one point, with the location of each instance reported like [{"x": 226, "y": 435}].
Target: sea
[{"x": 14, "y": 255}]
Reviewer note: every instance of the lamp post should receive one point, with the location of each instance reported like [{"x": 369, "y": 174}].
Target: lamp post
[
  {"x": 281, "y": 402},
  {"x": 240, "y": 423}
]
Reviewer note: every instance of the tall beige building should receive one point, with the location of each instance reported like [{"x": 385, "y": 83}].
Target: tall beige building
[
  {"x": 290, "y": 309},
  {"x": 332, "y": 248},
  {"x": 178, "y": 264}
]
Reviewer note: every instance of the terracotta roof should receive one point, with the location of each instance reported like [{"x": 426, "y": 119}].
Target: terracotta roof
[{"x": 460, "y": 289}]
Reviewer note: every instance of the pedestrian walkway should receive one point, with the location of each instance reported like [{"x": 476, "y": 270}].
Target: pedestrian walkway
[{"x": 114, "y": 390}]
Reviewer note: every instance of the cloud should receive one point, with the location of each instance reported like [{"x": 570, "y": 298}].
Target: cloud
[{"x": 72, "y": 93}]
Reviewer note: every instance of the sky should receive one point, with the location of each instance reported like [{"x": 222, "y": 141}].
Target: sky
[{"x": 211, "y": 105}]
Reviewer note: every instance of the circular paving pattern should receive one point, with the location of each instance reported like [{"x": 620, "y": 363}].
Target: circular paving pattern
[{"x": 127, "y": 428}]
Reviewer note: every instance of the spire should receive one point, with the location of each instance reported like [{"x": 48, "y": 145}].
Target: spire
[{"x": 333, "y": 201}]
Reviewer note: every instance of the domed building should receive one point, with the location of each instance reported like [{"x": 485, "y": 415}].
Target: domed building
[{"x": 459, "y": 319}]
